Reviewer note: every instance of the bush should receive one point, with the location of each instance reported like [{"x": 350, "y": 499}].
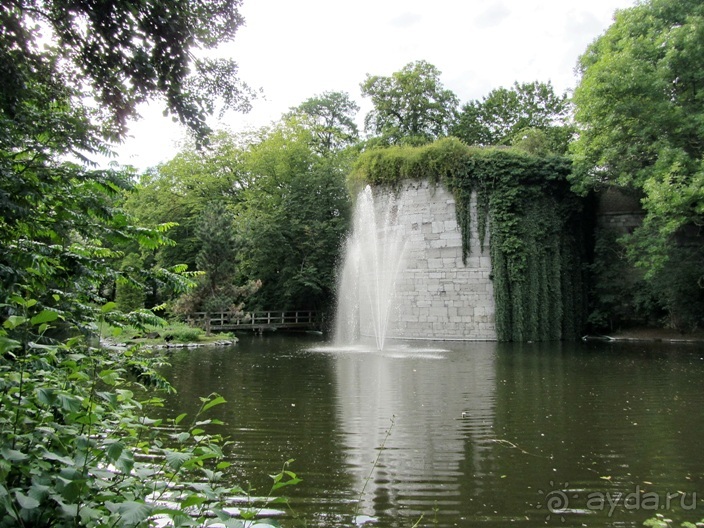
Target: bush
[
  {"x": 79, "y": 446},
  {"x": 181, "y": 333}
]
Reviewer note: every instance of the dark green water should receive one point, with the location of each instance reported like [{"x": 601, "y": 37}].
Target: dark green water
[{"x": 479, "y": 434}]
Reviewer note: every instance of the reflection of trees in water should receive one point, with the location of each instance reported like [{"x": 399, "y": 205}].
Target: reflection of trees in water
[
  {"x": 534, "y": 414},
  {"x": 279, "y": 406}
]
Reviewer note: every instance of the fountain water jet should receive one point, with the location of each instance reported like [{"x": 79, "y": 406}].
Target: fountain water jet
[{"x": 373, "y": 258}]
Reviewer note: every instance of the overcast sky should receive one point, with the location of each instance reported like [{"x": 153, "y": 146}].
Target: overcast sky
[{"x": 294, "y": 50}]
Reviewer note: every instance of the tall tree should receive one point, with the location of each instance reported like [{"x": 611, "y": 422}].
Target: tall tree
[
  {"x": 60, "y": 223},
  {"x": 53, "y": 52},
  {"x": 180, "y": 190},
  {"x": 216, "y": 289},
  {"x": 411, "y": 103},
  {"x": 218, "y": 249},
  {"x": 640, "y": 106},
  {"x": 507, "y": 116},
  {"x": 331, "y": 116},
  {"x": 292, "y": 219}
]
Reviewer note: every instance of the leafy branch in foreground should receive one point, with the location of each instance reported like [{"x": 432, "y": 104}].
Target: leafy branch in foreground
[{"x": 79, "y": 444}]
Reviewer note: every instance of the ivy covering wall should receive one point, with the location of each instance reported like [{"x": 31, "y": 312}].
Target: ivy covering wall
[{"x": 536, "y": 227}]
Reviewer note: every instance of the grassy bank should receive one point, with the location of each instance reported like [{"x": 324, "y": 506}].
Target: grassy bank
[{"x": 172, "y": 332}]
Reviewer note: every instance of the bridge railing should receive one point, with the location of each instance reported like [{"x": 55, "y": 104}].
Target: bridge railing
[{"x": 253, "y": 320}]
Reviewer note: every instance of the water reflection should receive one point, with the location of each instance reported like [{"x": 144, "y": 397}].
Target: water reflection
[
  {"x": 413, "y": 410},
  {"x": 483, "y": 433}
]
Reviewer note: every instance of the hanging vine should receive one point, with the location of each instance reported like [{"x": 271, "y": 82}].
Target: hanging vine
[{"x": 534, "y": 223}]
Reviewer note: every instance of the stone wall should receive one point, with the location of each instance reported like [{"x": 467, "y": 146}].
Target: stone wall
[
  {"x": 619, "y": 211},
  {"x": 438, "y": 297}
]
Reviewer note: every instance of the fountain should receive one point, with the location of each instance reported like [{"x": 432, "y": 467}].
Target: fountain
[
  {"x": 405, "y": 276},
  {"x": 373, "y": 259}
]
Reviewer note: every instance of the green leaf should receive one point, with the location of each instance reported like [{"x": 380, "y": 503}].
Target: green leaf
[
  {"x": 12, "y": 455},
  {"x": 176, "y": 459},
  {"x": 281, "y": 484},
  {"x": 179, "y": 418},
  {"x": 27, "y": 503},
  {"x": 212, "y": 403},
  {"x": 14, "y": 321},
  {"x": 131, "y": 512},
  {"x": 19, "y": 301},
  {"x": 70, "y": 510},
  {"x": 192, "y": 500},
  {"x": 125, "y": 462},
  {"x": 45, "y": 316},
  {"x": 70, "y": 403},
  {"x": 223, "y": 465},
  {"x": 109, "y": 377},
  {"x": 7, "y": 345},
  {"x": 114, "y": 450},
  {"x": 108, "y": 307},
  {"x": 50, "y": 455}
]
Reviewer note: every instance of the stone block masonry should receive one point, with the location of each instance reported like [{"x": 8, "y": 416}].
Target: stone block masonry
[{"x": 438, "y": 297}]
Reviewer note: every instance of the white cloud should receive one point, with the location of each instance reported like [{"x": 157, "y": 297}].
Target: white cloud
[
  {"x": 406, "y": 20},
  {"x": 493, "y": 16},
  {"x": 294, "y": 50}
]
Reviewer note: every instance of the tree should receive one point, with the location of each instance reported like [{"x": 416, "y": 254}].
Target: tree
[
  {"x": 529, "y": 113},
  {"x": 639, "y": 99},
  {"x": 216, "y": 289},
  {"x": 292, "y": 219},
  {"x": 67, "y": 411},
  {"x": 640, "y": 108},
  {"x": 331, "y": 117},
  {"x": 411, "y": 103},
  {"x": 63, "y": 215},
  {"x": 218, "y": 249},
  {"x": 125, "y": 53},
  {"x": 179, "y": 191}
]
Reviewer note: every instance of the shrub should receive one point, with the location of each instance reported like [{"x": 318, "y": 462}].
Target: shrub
[
  {"x": 181, "y": 333},
  {"x": 79, "y": 446}
]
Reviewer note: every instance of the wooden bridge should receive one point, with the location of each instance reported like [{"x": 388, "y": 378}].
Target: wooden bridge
[{"x": 256, "y": 321}]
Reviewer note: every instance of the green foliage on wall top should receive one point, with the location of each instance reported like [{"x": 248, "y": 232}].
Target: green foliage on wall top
[{"x": 533, "y": 220}]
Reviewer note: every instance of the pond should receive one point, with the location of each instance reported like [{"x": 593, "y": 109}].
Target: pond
[{"x": 460, "y": 433}]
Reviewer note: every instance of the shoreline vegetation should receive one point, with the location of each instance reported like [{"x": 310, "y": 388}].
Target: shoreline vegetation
[{"x": 169, "y": 336}]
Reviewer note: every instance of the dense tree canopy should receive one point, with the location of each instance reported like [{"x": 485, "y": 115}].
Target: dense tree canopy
[
  {"x": 640, "y": 106},
  {"x": 292, "y": 219},
  {"x": 267, "y": 209},
  {"x": 639, "y": 100},
  {"x": 123, "y": 53},
  {"x": 72, "y": 73},
  {"x": 53, "y": 213},
  {"x": 331, "y": 117},
  {"x": 411, "y": 104},
  {"x": 509, "y": 116},
  {"x": 180, "y": 190}
]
